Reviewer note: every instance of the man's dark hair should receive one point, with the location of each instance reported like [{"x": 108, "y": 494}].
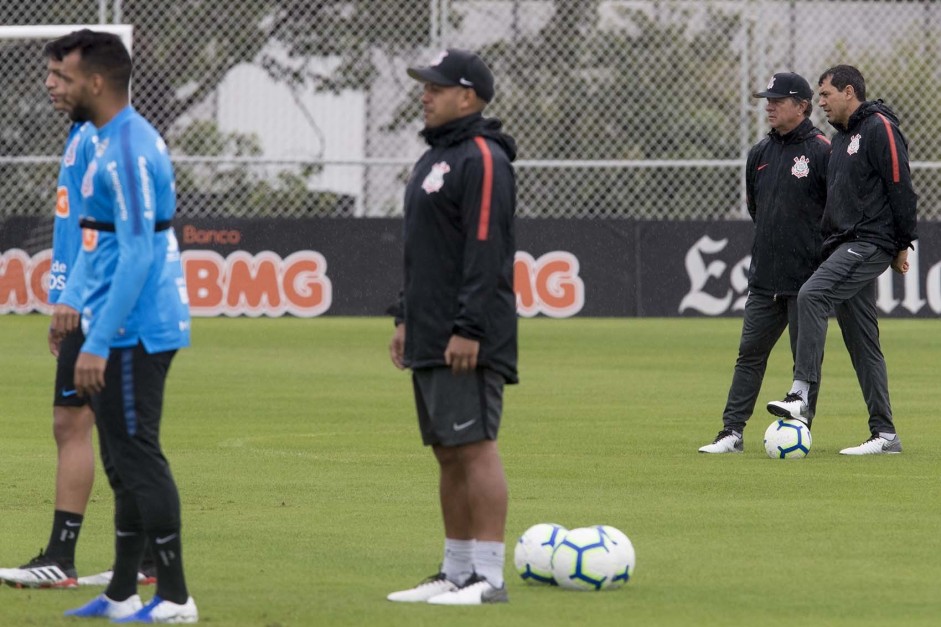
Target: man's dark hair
[
  {"x": 101, "y": 53},
  {"x": 843, "y": 75}
]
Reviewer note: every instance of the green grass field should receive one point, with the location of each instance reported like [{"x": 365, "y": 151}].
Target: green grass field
[{"x": 307, "y": 496}]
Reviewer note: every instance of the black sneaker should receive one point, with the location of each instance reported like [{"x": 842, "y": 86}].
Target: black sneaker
[{"x": 41, "y": 572}]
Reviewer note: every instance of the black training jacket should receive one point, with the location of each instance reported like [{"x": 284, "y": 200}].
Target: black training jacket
[
  {"x": 870, "y": 197},
  {"x": 460, "y": 202},
  {"x": 786, "y": 192}
]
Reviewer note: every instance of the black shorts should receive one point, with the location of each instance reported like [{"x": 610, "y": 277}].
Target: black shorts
[
  {"x": 65, "y": 394},
  {"x": 454, "y": 410}
]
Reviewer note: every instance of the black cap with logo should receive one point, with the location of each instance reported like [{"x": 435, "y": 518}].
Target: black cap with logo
[
  {"x": 457, "y": 67},
  {"x": 787, "y": 85}
]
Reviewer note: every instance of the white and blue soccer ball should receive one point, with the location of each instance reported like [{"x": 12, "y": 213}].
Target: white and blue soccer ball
[
  {"x": 787, "y": 439},
  {"x": 593, "y": 558},
  {"x": 533, "y": 553}
]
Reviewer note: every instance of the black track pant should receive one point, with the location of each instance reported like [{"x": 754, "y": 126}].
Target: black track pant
[
  {"x": 846, "y": 283},
  {"x": 765, "y": 319}
]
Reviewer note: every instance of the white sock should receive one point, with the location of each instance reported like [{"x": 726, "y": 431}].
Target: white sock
[
  {"x": 488, "y": 561},
  {"x": 458, "y": 564},
  {"x": 802, "y": 388}
]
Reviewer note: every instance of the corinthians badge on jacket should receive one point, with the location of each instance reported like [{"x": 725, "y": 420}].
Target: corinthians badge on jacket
[
  {"x": 435, "y": 179},
  {"x": 801, "y": 167}
]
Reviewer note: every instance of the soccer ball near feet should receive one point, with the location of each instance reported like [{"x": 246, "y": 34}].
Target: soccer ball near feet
[
  {"x": 787, "y": 439},
  {"x": 533, "y": 553}
]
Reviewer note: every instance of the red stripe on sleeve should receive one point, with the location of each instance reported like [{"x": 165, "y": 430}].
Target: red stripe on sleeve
[
  {"x": 483, "y": 227},
  {"x": 823, "y": 139},
  {"x": 895, "y": 154}
]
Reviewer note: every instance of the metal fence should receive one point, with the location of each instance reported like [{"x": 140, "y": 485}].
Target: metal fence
[{"x": 634, "y": 109}]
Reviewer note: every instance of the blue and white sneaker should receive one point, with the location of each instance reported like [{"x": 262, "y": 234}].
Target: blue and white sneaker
[
  {"x": 103, "y": 607},
  {"x": 160, "y": 611}
]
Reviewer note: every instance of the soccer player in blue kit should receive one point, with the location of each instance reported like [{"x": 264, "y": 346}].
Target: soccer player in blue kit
[
  {"x": 73, "y": 418},
  {"x": 135, "y": 317}
]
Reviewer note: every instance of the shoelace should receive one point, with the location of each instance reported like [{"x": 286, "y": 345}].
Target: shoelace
[
  {"x": 473, "y": 581},
  {"x": 722, "y": 435},
  {"x": 39, "y": 560},
  {"x": 433, "y": 579},
  {"x": 793, "y": 396}
]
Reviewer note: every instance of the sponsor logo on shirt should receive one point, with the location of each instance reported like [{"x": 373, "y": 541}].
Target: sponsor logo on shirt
[
  {"x": 853, "y": 148},
  {"x": 801, "y": 167},
  {"x": 435, "y": 179},
  {"x": 89, "y": 240},
  {"x": 62, "y": 201}
]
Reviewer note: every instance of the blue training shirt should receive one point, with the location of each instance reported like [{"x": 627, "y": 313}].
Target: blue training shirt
[
  {"x": 66, "y": 234},
  {"x": 135, "y": 289}
]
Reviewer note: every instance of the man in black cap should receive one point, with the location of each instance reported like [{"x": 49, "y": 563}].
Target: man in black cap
[
  {"x": 868, "y": 225},
  {"x": 455, "y": 324},
  {"x": 786, "y": 190}
]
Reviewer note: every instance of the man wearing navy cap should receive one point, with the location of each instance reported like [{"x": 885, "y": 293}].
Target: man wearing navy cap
[
  {"x": 455, "y": 323},
  {"x": 786, "y": 191}
]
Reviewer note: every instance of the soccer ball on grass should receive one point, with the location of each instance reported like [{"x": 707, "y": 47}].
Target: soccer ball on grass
[
  {"x": 787, "y": 439},
  {"x": 593, "y": 558},
  {"x": 533, "y": 553}
]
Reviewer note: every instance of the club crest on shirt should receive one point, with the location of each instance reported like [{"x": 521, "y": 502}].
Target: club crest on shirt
[
  {"x": 801, "y": 167},
  {"x": 88, "y": 181},
  {"x": 71, "y": 151},
  {"x": 435, "y": 179},
  {"x": 853, "y": 148}
]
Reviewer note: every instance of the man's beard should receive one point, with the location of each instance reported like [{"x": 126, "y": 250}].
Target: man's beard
[{"x": 80, "y": 113}]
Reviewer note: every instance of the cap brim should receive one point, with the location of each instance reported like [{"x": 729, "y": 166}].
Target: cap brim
[
  {"x": 772, "y": 94},
  {"x": 430, "y": 75}
]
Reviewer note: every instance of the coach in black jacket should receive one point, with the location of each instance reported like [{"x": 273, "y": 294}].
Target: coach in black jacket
[
  {"x": 456, "y": 323},
  {"x": 786, "y": 190},
  {"x": 868, "y": 225}
]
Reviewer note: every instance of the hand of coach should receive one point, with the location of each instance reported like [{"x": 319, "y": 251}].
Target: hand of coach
[
  {"x": 461, "y": 354},
  {"x": 900, "y": 263}
]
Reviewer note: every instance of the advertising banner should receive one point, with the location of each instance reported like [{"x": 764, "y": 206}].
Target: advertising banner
[{"x": 564, "y": 268}]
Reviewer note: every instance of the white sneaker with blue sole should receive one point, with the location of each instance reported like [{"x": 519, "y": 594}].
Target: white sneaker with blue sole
[
  {"x": 161, "y": 611},
  {"x": 103, "y": 607}
]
